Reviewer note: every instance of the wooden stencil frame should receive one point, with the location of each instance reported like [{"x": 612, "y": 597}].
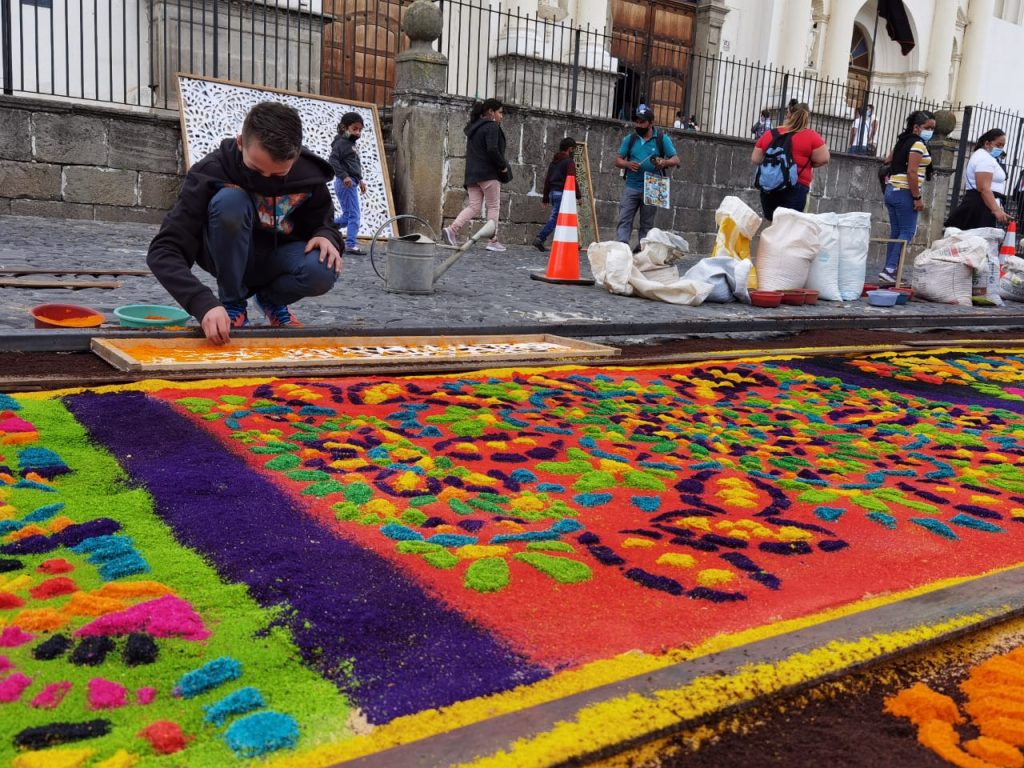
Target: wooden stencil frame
[
  {"x": 117, "y": 352},
  {"x": 586, "y": 211},
  {"x": 320, "y": 118}
]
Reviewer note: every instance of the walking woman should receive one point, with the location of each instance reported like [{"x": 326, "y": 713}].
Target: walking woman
[
  {"x": 486, "y": 169},
  {"x": 981, "y": 205},
  {"x": 808, "y": 151},
  {"x": 910, "y": 164}
]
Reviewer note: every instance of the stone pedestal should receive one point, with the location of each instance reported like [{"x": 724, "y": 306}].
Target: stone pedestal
[
  {"x": 419, "y": 126},
  {"x": 548, "y": 85}
]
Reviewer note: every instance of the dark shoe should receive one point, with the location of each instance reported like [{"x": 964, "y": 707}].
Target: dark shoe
[
  {"x": 355, "y": 250},
  {"x": 238, "y": 314},
  {"x": 539, "y": 245},
  {"x": 278, "y": 315},
  {"x": 887, "y": 276}
]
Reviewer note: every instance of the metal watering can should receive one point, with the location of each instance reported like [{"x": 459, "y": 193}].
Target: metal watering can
[{"x": 411, "y": 265}]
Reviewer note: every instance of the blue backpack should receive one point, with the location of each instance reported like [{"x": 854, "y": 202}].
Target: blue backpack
[{"x": 778, "y": 170}]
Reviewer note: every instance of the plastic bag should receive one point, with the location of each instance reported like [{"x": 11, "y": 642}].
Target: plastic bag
[
  {"x": 786, "y": 250},
  {"x": 726, "y": 275}
]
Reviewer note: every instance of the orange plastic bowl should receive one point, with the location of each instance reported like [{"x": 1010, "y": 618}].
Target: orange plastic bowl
[
  {"x": 793, "y": 297},
  {"x": 65, "y": 316},
  {"x": 810, "y": 297},
  {"x": 766, "y": 298}
]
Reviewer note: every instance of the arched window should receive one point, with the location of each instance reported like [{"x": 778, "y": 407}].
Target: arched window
[{"x": 860, "y": 67}]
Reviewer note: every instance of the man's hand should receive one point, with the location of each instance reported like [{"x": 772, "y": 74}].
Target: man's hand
[
  {"x": 347, "y": 181},
  {"x": 328, "y": 253},
  {"x": 217, "y": 326},
  {"x": 362, "y": 186},
  {"x": 633, "y": 165}
]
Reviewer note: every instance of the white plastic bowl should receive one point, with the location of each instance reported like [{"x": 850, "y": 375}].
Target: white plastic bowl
[{"x": 883, "y": 298}]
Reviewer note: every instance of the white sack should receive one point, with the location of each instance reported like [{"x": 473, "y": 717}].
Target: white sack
[
  {"x": 945, "y": 271},
  {"x": 854, "y": 241},
  {"x": 786, "y": 250},
  {"x": 726, "y": 275},
  {"x": 824, "y": 274},
  {"x": 614, "y": 268}
]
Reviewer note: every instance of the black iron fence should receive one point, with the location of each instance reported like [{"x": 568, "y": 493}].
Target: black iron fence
[{"x": 127, "y": 52}]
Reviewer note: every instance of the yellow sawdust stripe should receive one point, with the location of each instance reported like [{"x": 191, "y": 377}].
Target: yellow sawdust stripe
[{"x": 405, "y": 730}]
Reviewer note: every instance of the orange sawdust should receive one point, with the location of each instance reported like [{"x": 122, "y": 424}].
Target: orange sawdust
[
  {"x": 40, "y": 620},
  {"x": 994, "y": 705},
  {"x": 86, "y": 604}
]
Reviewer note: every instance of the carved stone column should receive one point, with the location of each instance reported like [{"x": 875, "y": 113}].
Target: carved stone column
[
  {"x": 707, "y": 41},
  {"x": 976, "y": 42},
  {"x": 940, "y": 50}
]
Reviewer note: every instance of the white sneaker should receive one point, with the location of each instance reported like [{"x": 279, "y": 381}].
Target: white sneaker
[
  {"x": 448, "y": 235},
  {"x": 494, "y": 245}
]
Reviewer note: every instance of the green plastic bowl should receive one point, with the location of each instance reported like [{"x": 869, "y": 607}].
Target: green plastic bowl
[{"x": 150, "y": 316}]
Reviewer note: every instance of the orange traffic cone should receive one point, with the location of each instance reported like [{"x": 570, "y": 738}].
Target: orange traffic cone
[
  {"x": 564, "y": 261},
  {"x": 1008, "y": 248}
]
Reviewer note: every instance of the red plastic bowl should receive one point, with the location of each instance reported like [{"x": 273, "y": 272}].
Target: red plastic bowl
[
  {"x": 810, "y": 297},
  {"x": 869, "y": 287},
  {"x": 65, "y": 316},
  {"x": 793, "y": 297},
  {"x": 766, "y": 298}
]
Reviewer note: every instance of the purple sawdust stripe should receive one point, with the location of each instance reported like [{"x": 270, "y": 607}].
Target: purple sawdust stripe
[
  {"x": 410, "y": 651},
  {"x": 838, "y": 368}
]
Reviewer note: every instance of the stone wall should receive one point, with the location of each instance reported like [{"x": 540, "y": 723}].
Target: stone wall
[
  {"x": 711, "y": 167},
  {"x": 81, "y": 162}
]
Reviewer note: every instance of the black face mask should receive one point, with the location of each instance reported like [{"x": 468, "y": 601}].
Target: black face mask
[
  {"x": 352, "y": 138},
  {"x": 641, "y": 131}
]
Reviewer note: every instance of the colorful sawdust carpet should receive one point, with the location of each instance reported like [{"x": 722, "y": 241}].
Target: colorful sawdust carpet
[{"x": 263, "y": 568}]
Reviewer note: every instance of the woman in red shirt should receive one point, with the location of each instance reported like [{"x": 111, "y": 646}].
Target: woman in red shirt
[{"x": 809, "y": 151}]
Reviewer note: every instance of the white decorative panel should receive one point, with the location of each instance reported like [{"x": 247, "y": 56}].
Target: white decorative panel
[{"x": 213, "y": 110}]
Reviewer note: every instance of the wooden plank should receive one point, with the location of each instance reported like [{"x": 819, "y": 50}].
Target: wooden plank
[
  {"x": 98, "y": 271},
  {"x": 968, "y": 343},
  {"x": 74, "y": 284},
  {"x": 588, "y": 229},
  {"x": 197, "y": 354}
]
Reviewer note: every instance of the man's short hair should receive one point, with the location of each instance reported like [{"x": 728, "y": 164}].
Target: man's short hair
[
  {"x": 645, "y": 114},
  {"x": 277, "y": 127}
]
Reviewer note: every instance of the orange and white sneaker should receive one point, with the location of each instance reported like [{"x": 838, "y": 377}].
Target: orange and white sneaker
[{"x": 278, "y": 315}]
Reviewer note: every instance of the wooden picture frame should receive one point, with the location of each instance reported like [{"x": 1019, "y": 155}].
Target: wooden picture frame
[
  {"x": 297, "y": 354},
  {"x": 212, "y": 109},
  {"x": 586, "y": 212}
]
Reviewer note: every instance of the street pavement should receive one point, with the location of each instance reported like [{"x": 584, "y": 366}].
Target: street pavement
[{"x": 483, "y": 293}]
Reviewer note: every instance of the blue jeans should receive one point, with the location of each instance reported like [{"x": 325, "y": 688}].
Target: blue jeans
[
  {"x": 282, "y": 276},
  {"x": 632, "y": 200},
  {"x": 348, "y": 198},
  {"x": 549, "y": 227},
  {"x": 902, "y": 220},
  {"x": 794, "y": 198}
]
